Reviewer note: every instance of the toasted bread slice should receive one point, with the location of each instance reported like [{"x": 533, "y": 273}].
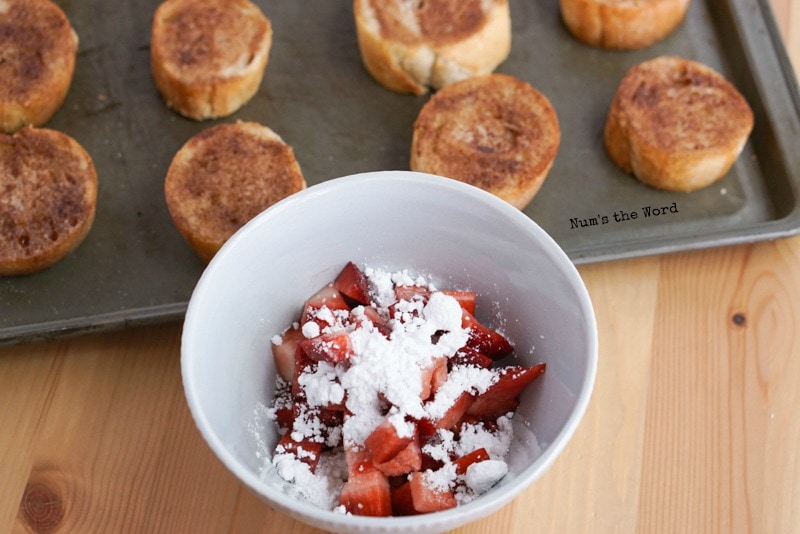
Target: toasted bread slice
[
  {"x": 494, "y": 131},
  {"x": 676, "y": 124},
  {"x": 622, "y": 24},
  {"x": 208, "y": 57},
  {"x": 412, "y": 46},
  {"x": 223, "y": 177},
  {"x": 37, "y": 61},
  {"x": 49, "y": 186}
]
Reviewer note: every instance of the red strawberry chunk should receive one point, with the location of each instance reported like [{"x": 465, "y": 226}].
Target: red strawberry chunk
[
  {"x": 501, "y": 397},
  {"x": 327, "y": 297},
  {"x": 463, "y": 462},
  {"x": 384, "y": 443},
  {"x": 418, "y": 496},
  {"x": 380, "y": 323},
  {"x": 302, "y": 364},
  {"x": 368, "y": 494},
  {"x": 412, "y": 292},
  {"x": 407, "y": 460},
  {"x": 433, "y": 376},
  {"x": 305, "y": 450},
  {"x": 485, "y": 340},
  {"x": 456, "y": 411},
  {"x": 470, "y": 356},
  {"x": 352, "y": 283},
  {"x": 283, "y": 353},
  {"x": 358, "y": 461},
  {"x": 466, "y": 299},
  {"x": 333, "y": 347}
]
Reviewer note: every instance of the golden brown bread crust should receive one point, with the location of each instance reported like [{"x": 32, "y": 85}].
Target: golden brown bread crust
[
  {"x": 493, "y": 131},
  {"x": 208, "y": 57},
  {"x": 49, "y": 194},
  {"x": 676, "y": 124},
  {"x": 37, "y": 61},
  {"x": 410, "y": 47},
  {"x": 622, "y": 24},
  {"x": 223, "y": 177}
]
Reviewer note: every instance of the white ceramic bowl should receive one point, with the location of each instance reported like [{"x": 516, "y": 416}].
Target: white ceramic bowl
[{"x": 458, "y": 235}]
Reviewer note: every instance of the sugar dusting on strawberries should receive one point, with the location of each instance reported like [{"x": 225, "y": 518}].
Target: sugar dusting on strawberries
[{"x": 404, "y": 396}]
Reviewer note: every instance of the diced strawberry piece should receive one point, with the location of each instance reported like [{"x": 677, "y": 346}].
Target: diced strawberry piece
[
  {"x": 412, "y": 292},
  {"x": 333, "y": 347},
  {"x": 466, "y": 299},
  {"x": 284, "y": 417},
  {"x": 417, "y": 496},
  {"x": 463, "y": 462},
  {"x": 433, "y": 376},
  {"x": 470, "y": 356},
  {"x": 501, "y": 397},
  {"x": 302, "y": 364},
  {"x": 382, "y": 325},
  {"x": 367, "y": 494},
  {"x": 352, "y": 283},
  {"x": 407, "y": 460},
  {"x": 305, "y": 450},
  {"x": 358, "y": 461},
  {"x": 283, "y": 353},
  {"x": 328, "y": 297},
  {"x": 384, "y": 444},
  {"x": 454, "y": 414},
  {"x": 484, "y": 339}
]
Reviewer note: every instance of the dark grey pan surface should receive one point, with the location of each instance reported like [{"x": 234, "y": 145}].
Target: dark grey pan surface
[{"x": 134, "y": 268}]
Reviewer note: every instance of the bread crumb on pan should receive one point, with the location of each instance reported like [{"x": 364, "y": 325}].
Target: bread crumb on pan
[
  {"x": 37, "y": 62},
  {"x": 411, "y": 46},
  {"x": 493, "y": 131},
  {"x": 223, "y": 177},
  {"x": 622, "y": 24},
  {"x": 208, "y": 57},
  {"x": 47, "y": 207},
  {"x": 676, "y": 124}
]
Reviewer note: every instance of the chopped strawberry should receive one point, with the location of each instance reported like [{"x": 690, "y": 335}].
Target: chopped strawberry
[
  {"x": 463, "y": 462},
  {"x": 305, "y": 450},
  {"x": 470, "y": 356},
  {"x": 501, "y": 397},
  {"x": 371, "y": 313},
  {"x": 418, "y": 496},
  {"x": 328, "y": 297},
  {"x": 433, "y": 376},
  {"x": 333, "y": 347},
  {"x": 407, "y": 460},
  {"x": 466, "y": 299},
  {"x": 283, "y": 353},
  {"x": 352, "y": 283},
  {"x": 284, "y": 417},
  {"x": 412, "y": 292},
  {"x": 484, "y": 339},
  {"x": 367, "y": 493},
  {"x": 384, "y": 443},
  {"x": 456, "y": 411},
  {"x": 358, "y": 461}
]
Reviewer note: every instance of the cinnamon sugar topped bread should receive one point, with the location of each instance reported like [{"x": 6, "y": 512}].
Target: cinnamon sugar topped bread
[
  {"x": 49, "y": 195},
  {"x": 622, "y": 24},
  {"x": 676, "y": 124},
  {"x": 410, "y": 46},
  {"x": 494, "y": 131},
  {"x": 223, "y": 177},
  {"x": 37, "y": 61},
  {"x": 208, "y": 57}
]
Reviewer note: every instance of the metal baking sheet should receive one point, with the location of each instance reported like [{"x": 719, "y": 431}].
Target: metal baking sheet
[{"x": 134, "y": 268}]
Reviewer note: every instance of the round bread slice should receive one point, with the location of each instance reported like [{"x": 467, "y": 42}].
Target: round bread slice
[
  {"x": 223, "y": 177},
  {"x": 37, "y": 61},
  {"x": 622, "y": 24},
  {"x": 49, "y": 195},
  {"x": 494, "y": 131},
  {"x": 410, "y": 46},
  {"x": 676, "y": 124},
  {"x": 208, "y": 57}
]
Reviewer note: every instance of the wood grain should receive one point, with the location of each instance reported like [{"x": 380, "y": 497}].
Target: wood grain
[{"x": 692, "y": 427}]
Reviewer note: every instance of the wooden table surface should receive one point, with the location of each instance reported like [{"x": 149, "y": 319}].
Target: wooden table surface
[{"x": 694, "y": 425}]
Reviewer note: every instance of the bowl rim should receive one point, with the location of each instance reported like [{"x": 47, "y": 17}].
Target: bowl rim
[{"x": 462, "y": 514}]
